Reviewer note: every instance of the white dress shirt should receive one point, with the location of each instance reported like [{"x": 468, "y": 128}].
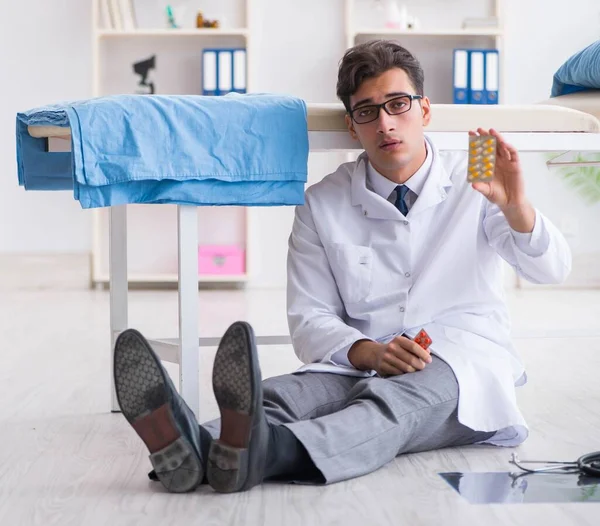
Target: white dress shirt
[{"x": 386, "y": 188}]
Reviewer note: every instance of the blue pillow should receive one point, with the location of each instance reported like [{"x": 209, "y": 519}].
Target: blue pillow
[{"x": 578, "y": 73}]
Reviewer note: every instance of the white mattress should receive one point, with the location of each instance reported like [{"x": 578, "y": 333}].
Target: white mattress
[
  {"x": 586, "y": 101},
  {"x": 579, "y": 112},
  {"x": 561, "y": 114}
]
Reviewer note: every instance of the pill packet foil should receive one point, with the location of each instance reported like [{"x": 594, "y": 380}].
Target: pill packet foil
[{"x": 482, "y": 158}]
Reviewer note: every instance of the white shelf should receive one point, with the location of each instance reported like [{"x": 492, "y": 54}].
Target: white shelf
[
  {"x": 172, "y": 278},
  {"x": 111, "y": 33},
  {"x": 484, "y": 32}
]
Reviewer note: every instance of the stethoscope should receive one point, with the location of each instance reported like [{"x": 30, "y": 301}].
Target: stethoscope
[{"x": 588, "y": 464}]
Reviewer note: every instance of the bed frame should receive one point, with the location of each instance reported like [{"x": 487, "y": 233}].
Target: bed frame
[{"x": 327, "y": 132}]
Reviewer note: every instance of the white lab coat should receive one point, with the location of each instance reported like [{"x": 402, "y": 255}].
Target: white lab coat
[{"x": 357, "y": 268}]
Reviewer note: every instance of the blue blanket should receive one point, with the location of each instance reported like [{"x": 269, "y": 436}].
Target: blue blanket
[{"x": 235, "y": 150}]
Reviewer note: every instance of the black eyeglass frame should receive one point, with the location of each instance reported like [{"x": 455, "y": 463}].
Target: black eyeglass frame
[{"x": 378, "y": 107}]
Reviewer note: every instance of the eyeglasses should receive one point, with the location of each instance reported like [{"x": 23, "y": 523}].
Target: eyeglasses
[{"x": 395, "y": 106}]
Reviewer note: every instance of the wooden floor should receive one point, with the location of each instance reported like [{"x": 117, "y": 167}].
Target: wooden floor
[{"x": 65, "y": 459}]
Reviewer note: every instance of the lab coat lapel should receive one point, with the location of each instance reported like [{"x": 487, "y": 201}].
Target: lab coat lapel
[
  {"x": 435, "y": 188},
  {"x": 372, "y": 205}
]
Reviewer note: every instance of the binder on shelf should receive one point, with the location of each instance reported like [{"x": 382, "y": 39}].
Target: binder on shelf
[
  {"x": 239, "y": 71},
  {"x": 461, "y": 76},
  {"x": 492, "y": 73},
  {"x": 209, "y": 72},
  {"x": 224, "y": 71},
  {"x": 477, "y": 76}
]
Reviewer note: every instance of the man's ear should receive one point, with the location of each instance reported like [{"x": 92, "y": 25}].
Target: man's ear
[
  {"x": 350, "y": 125},
  {"x": 426, "y": 111}
]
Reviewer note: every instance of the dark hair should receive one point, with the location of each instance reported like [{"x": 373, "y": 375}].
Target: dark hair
[{"x": 371, "y": 59}]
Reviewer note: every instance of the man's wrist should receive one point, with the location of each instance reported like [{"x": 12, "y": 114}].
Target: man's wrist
[
  {"x": 521, "y": 218},
  {"x": 361, "y": 354}
]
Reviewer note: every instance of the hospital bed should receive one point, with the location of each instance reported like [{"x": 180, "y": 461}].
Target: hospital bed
[{"x": 564, "y": 124}]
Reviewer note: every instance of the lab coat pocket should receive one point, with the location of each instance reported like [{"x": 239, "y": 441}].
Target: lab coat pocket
[{"x": 352, "y": 267}]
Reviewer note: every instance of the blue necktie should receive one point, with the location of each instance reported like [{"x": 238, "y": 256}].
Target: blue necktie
[{"x": 400, "y": 204}]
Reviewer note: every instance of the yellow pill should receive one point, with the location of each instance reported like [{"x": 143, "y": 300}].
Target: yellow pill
[
  {"x": 488, "y": 166},
  {"x": 472, "y": 169},
  {"x": 489, "y": 150},
  {"x": 489, "y": 173},
  {"x": 489, "y": 142}
]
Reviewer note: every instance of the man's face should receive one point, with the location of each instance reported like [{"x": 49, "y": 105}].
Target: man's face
[{"x": 392, "y": 142}]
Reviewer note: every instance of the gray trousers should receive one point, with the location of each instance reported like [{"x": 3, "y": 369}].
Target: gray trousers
[{"x": 352, "y": 426}]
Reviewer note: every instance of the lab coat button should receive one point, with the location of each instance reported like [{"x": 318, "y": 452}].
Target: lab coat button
[
  {"x": 401, "y": 309},
  {"x": 405, "y": 222},
  {"x": 365, "y": 212},
  {"x": 407, "y": 275}
]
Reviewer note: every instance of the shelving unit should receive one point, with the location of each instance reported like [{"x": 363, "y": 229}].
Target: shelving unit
[
  {"x": 433, "y": 45},
  {"x": 152, "y": 230}
]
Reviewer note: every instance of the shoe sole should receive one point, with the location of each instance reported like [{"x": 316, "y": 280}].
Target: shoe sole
[
  {"x": 145, "y": 401},
  {"x": 233, "y": 385}
]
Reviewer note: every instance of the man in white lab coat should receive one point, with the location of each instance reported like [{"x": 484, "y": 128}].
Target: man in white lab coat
[{"x": 393, "y": 243}]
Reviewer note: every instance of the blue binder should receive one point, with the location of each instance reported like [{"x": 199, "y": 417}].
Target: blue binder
[
  {"x": 239, "y": 70},
  {"x": 223, "y": 71},
  {"x": 492, "y": 74},
  {"x": 477, "y": 76},
  {"x": 210, "y": 71},
  {"x": 461, "y": 76}
]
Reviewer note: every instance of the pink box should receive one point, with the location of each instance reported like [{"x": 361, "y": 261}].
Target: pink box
[{"x": 221, "y": 259}]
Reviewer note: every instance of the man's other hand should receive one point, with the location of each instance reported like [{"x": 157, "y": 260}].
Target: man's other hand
[{"x": 401, "y": 355}]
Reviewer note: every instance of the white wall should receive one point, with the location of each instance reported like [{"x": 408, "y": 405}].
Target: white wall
[
  {"x": 44, "y": 58},
  {"x": 298, "y": 48}
]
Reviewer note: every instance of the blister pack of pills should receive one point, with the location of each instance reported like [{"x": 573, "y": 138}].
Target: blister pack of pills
[{"x": 482, "y": 158}]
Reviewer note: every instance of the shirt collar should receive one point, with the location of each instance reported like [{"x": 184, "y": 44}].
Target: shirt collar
[{"x": 382, "y": 186}]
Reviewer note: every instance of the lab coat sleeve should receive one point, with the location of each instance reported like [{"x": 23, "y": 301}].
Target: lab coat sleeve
[
  {"x": 314, "y": 306},
  {"x": 341, "y": 357},
  {"x": 541, "y": 256}
]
